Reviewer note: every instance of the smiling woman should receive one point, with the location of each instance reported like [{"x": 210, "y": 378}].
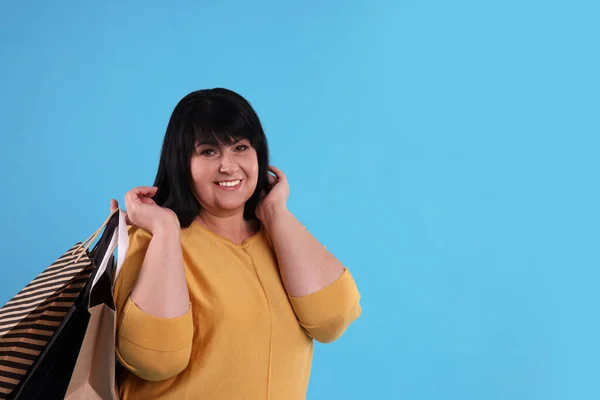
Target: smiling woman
[
  {"x": 223, "y": 290},
  {"x": 211, "y": 135}
]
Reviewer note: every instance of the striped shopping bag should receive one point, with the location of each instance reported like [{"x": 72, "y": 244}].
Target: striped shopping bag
[{"x": 34, "y": 317}]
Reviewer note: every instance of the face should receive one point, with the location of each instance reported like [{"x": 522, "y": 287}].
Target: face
[{"x": 225, "y": 176}]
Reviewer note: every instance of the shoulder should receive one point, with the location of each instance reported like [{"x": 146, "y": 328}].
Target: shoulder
[{"x": 138, "y": 237}]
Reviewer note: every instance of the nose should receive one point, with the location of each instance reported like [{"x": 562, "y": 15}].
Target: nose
[{"x": 228, "y": 166}]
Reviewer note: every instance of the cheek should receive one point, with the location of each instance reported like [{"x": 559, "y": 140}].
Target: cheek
[
  {"x": 200, "y": 173},
  {"x": 255, "y": 171},
  {"x": 252, "y": 172},
  {"x": 196, "y": 171},
  {"x": 251, "y": 165}
]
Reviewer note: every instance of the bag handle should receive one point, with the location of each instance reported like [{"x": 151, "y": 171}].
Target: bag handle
[
  {"x": 119, "y": 241},
  {"x": 123, "y": 243},
  {"x": 87, "y": 243}
]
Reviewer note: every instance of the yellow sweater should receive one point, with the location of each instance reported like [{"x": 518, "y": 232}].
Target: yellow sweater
[{"x": 244, "y": 338}]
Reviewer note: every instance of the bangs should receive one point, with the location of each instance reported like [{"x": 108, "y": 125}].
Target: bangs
[{"x": 225, "y": 127}]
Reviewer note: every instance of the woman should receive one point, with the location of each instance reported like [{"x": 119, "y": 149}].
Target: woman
[{"x": 223, "y": 290}]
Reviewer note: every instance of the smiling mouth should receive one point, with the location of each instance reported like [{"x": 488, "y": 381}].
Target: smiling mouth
[{"x": 233, "y": 183}]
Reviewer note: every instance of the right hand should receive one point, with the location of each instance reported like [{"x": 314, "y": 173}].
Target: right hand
[{"x": 142, "y": 211}]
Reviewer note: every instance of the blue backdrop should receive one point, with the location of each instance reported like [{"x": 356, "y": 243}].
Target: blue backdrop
[{"x": 446, "y": 152}]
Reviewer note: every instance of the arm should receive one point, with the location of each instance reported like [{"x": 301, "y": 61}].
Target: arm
[
  {"x": 154, "y": 320},
  {"x": 305, "y": 264},
  {"x": 153, "y": 342},
  {"x": 321, "y": 290},
  {"x": 161, "y": 289}
]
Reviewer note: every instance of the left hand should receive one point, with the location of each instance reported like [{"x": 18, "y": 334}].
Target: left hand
[{"x": 278, "y": 195}]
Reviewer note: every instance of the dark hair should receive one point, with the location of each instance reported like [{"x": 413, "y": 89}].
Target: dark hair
[{"x": 216, "y": 116}]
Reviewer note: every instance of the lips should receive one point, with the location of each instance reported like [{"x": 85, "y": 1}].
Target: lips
[{"x": 229, "y": 185}]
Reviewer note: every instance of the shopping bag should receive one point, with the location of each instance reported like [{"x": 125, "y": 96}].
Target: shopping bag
[
  {"x": 43, "y": 326},
  {"x": 94, "y": 376},
  {"x": 50, "y": 376}
]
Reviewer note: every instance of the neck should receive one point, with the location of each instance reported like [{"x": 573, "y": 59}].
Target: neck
[{"x": 234, "y": 227}]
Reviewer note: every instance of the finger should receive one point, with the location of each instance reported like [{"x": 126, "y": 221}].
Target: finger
[
  {"x": 272, "y": 180},
  {"x": 114, "y": 205},
  {"x": 278, "y": 173},
  {"x": 147, "y": 200},
  {"x": 147, "y": 197},
  {"x": 132, "y": 199},
  {"x": 135, "y": 196},
  {"x": 128, "y": 206},
  {"x": 145, "y": 190}
]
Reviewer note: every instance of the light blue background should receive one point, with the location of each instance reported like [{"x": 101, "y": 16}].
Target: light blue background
[{"x": 445, "y": 151}]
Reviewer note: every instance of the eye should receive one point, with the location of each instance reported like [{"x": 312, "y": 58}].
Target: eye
[
  {"x": 241, "y": 147},
  {"x": 208, "y": 152}
]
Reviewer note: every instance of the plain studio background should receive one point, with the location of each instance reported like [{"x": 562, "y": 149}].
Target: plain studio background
[{"x": 446, "y": 152}]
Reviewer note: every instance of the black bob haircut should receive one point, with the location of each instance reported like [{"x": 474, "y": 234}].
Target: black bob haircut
[{"x": 216, "y": 116}]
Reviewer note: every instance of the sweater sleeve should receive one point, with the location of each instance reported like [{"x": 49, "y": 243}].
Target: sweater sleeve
[
  {"x": 327, "y": 313},
  {"x": 153, "y": 348}
]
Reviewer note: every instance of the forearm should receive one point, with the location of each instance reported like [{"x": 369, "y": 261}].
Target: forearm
[
  {"x": 305, "y": 264},
  {"x": 161, "y": 289}
]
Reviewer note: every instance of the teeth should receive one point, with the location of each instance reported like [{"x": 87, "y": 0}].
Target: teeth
[{"x": 231, "y": 183}]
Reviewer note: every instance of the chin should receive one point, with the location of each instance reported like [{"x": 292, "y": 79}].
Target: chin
[{"x": 231, "y": 205}]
